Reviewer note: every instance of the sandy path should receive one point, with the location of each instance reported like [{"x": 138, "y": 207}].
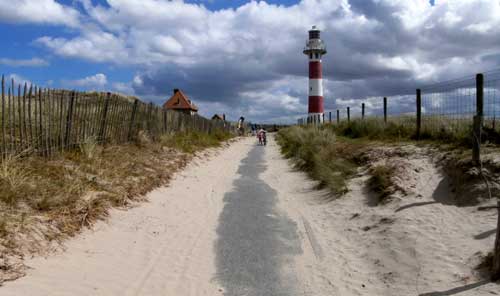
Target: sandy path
[
  {"x": 162, "y": 247},
  {"x": 244, "y": 223}
]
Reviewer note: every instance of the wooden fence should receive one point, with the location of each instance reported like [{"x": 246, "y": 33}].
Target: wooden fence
[{"x": 46, "y": 121}]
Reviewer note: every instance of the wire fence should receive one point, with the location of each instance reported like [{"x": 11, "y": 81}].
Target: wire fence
[
  {"x": 448, "y": 105},
  {"x": 446, "y": 110},
  {"x": 492, "y": 99},
  {"x": 47, "y": 121}
]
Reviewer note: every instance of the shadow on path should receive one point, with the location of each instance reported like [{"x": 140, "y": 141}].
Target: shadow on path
[
  {"x": 485, "y": 234},
  {"x": 457, "y": 289},
  {"x": 255, "y": 242},
  {"x": 441, "y": 195},
  {"x": 416, "y": 204}
]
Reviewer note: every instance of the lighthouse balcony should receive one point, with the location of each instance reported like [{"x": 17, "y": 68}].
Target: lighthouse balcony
[
  {"x": 315, "y": 46},
  {"x": 311, "y": 50}
]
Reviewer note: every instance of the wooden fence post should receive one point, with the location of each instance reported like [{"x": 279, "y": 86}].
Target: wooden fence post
[
  {"x": 165, "y": 121},
  {"x": 69, "y": 120},
  {"x": 48, "y": 134},
  {"x": 362, "y": 110},
  {"x": 20, "y": 118},
  {"x": 12, "y": 116},
  {"x": 61, "y": 120},
  {"x": 419, "y": 113},
  {"x": 338, "y": 116},
  {"x": 385, "y": 110},
  {"x": 40, "y": 122},
  {"x": 132, "y": 119},
  {"x": 4, "y": 150},
  {"x": 330, "y": 116},
  {"x": 25, "y": 130},
  {"x": 348, "y": 114},
  {"x": 29, "y": 115},
  {"x": 478, "y": 120},
  {"x": 102, "y": 128},
  {"x": 148, "y": 116}
]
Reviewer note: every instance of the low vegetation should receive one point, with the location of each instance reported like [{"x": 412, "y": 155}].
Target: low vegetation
[
  {"x": 375, "y": 129},
  {"x": 381, "y": 182},
  {"x": 43, "y": 201},
  {"x": 331, "y": 155},
  {"x": 333, "y": 160},
  {"x": 403, "y": 128},
  {"x": 318, "y": 152},
  {"x": 190, "y": 142}
]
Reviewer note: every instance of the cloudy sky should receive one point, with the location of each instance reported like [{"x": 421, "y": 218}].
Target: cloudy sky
[{"x": 245, "y": 58}]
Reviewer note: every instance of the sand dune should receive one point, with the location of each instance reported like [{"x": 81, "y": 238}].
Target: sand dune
[{"x": 416, "y": 245}]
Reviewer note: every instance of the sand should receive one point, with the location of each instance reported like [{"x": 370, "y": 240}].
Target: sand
[
  {"x": 161, "y": 247},
  {"x": 417, "y": 244},
  {"x": 411, "y": 246}
]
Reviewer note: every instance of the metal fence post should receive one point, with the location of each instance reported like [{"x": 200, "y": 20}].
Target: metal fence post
[
  {"x": 419, "y": 113},
  {"x": 362, "y": 110},
  {"x": 338, "y": 116},
  {"x": 385, "y": 110},
  {"x": 478, "y": 120},
  {"x": 348, "y": 114},
  {"x": 330, "y": 116}
]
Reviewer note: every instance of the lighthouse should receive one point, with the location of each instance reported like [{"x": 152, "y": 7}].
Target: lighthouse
[{"x": 315, "y": 49}]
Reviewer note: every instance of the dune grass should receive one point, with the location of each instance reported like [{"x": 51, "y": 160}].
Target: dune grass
[
  {"x": 190, "y": 142},
  {"x": 381, "y": 182},
  {"x": 403, "y": 128},
  {"x": 319, "y": 153}
]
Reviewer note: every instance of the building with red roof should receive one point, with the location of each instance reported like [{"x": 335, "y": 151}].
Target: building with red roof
[{"x": 180, "y": 102}]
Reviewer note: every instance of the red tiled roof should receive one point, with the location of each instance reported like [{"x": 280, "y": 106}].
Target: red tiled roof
[{"x": 179, "y": 101}]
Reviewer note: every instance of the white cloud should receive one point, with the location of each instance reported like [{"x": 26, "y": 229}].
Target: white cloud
[
  {"x": 124, "y": 88},
  {"x": 16, "y": 80},
  {"x": 38, "y": 12},
  {"x": 33, "y": 62},
  {"x": 167, "y": 44},
  {"x": 91, "y": 45},
  {"x": 236, "y": 57},
  {"x": 96, "y": 82}
]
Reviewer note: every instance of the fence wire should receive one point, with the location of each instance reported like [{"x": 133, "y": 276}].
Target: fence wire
[
  {"x": 449, "y": 107},
  {"x": 492, "y": 99}
]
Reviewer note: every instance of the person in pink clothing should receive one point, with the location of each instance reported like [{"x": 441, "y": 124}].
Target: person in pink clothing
[{"x": 261, "y": 135}]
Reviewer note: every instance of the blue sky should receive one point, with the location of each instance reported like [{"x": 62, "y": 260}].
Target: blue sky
[
  {"x": 244, "y": 58},
  {"x": 17, "y": 43}
]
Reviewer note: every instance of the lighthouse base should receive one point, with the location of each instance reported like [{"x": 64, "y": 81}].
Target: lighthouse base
[{"x": 316, "y": 117}]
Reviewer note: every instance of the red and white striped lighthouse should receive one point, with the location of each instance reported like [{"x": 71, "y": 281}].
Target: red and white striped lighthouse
[{"x": 315, "y": 49}]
